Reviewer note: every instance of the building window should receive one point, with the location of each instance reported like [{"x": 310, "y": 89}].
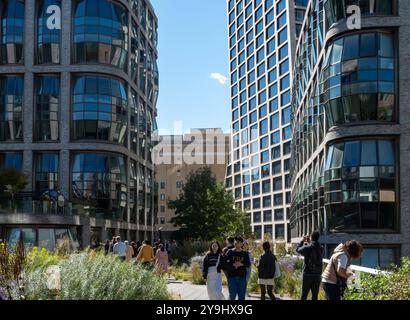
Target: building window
[
  {"x": 162, "y": 208},
  {"x": 179, "y": 184},
  {"x": 100, "y": 181},
  {"x": 99, "y": 109},
  {"x": 100, "y": 33},
  {"x": 46, "y": 172},
  {"x": 48, "y": 31},
  {"x": 358, "y": 79},
  {"x": 12, "y": 32},
  {"x": 279, "y": 232},
  {"x": 162, "y": 220},
  {"x": 360, "y": 185},
  {"x": 162, "y": 185},
  {"x": 11, "y": 108},
  {"x": 257, "y": 230},
  {"x": 279, "y": 216},
  {"x": 13, "y": 160},
  {"x": 162, "y": 197},
  {"x": 46, "y": 126},
  {"x": 46, "y": 238},
  {"x": 337, "y": 9}
]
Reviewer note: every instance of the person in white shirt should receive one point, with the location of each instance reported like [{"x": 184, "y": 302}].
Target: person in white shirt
[{"x": 120, "y": 248}]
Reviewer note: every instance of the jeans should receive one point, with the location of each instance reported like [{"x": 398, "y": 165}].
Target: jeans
[
  {"x": 332, "y": 291},
  {"x": 270, "y": 292},
  {"x": 237, "y": 287},
  {"x": 310, "y": 283}
]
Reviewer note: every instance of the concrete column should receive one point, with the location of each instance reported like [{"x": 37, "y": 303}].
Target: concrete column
[
  {"x": 66, "y": 37},
  {"x": 28, "y": 168},
  {"x": 65, "y": 185},
  {"x": 85, "y": 235}
]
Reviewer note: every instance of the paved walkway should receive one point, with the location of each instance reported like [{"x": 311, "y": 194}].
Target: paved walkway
[{"x": 185, "y": 290}]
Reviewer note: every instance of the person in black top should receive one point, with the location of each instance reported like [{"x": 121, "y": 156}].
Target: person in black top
[
  {"x": 236, "y": 262},
  {"x": 211, "y": 272},
  {"x": 107, "y": 246},
  {"x": 266, "y": 271},
  {"x": 310, "y": 248}
]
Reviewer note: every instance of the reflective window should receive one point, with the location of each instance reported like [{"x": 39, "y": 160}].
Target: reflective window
[
  {"x": 12, "y": 32},
  {"x": 361, "y": 186},
  {"x": 99, "y": 109},
  {"x": 337, "y": 9},
  {"x": 47, "y": 238},
  {"x": 100, "y": 33},
  {"x": 46, "y": 126},
  {"x": 100, "y": 181},
  {"x": 358, "y": 79},
  {"x": 48, "y": 31},
  {"x": 11, "y": 160},
  {"x": 11, "y": 108},
  {"x": 46, "y": 172}
]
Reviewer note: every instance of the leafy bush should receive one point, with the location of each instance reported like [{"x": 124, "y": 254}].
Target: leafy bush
[
  {"x": 253, "y": 285},
  {"x": 41, "y": 258},
  {"x": 196, "y": 272},
  {"x": 188, "y": 249},
  {"x": 384, "y": 286},
  {"x": 91, "y": 276}
]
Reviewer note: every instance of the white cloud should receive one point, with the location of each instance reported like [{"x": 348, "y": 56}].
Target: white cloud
[{"x": 218, "y": 77}]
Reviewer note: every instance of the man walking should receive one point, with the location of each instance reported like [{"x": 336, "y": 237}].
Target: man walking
[
  {"x": 312, "y": 251},
  {"x": 236, "y": 262},
  {"x": 119, "y": 248}
]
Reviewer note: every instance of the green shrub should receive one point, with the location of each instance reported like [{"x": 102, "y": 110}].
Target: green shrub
[
  {"x": 41, "y": 258},
  {"x": 188, "y": 249},
  {"x": 392, "y": 286},
  {"x": 91, "y": 276},
  {"x": 196, "y": 272},
  {"x": 253, "y": 285}
]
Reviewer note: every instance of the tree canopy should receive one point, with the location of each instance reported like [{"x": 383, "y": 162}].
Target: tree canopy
[
  {"x": 205, "y": 210},
  {"x": 12, "y": 181}
]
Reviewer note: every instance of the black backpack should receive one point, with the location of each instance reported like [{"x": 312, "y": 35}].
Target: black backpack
[{"x": 314, "y": 261}]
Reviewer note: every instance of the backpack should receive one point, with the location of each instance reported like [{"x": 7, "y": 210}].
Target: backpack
[{"x": 314, "y": 261}]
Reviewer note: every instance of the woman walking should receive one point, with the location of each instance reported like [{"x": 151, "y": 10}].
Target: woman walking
[
  {"x": 212, "y": 272},
  {"x": 161, "y": 259},
  {"x": 266, "y": 272}
]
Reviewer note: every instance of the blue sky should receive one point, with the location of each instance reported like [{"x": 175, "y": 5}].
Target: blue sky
[{"x": 192, "y": 45}]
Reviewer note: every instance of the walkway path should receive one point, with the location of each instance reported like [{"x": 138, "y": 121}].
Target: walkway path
[{"x": 185, "y": 290}]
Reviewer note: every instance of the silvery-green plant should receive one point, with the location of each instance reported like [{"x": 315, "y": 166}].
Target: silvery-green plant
[{"x": 91, "y": 276}]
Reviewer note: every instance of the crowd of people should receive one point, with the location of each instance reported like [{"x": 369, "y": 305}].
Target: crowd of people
[
  {"x": 157, "y": 255},
  {"x": 235, "y": 261}
]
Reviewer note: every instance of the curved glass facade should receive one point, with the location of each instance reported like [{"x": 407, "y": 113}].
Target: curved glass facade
[
  {"x": 11, "y": 108},
  {"x": 100, "y": 33},
  {"x": 100, "y": 180},
  {"x": 361, "y": 185},
  {"x": 100, "y": 107},
  {"x": 12, "y": 32},
  {"x": 64, "y": 123},
  {"x": 46, "y": 126},
  {"x": 48, "y": 31},
  {"x": 337, "y": 9},
  {"x": 358, "y": 79}
]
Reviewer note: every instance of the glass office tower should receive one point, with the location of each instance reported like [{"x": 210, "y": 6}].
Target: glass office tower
[
  {"x": 262, "y": 39},
  {"x": 351, "y": 143},
  {"x": 78, "y": 93}
]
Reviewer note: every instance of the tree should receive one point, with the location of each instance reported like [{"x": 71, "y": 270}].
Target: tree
[
  {"x": 205, "y": 210},
  {"x": 12, "y": 181}
]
